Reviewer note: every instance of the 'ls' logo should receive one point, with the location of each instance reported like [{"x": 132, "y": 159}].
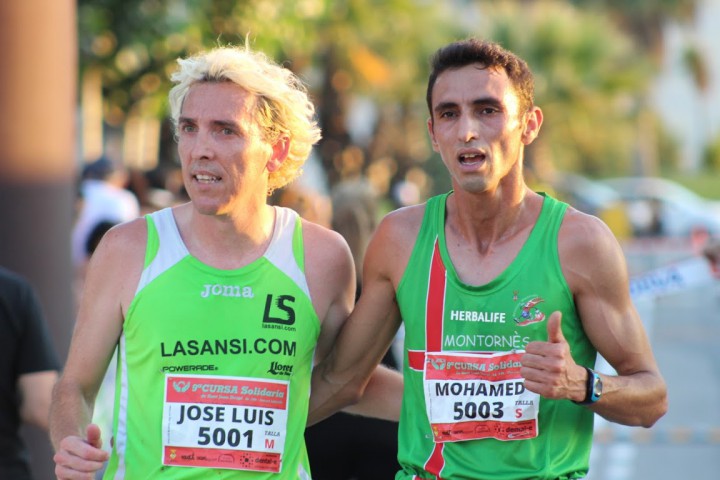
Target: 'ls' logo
[{"x": 282, "y": 313}]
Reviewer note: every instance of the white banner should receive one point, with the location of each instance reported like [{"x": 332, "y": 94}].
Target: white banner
[{"x": 676, "y": 277}]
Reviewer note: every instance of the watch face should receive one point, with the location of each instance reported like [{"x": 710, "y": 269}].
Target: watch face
[{"x": 597, "y": 387}]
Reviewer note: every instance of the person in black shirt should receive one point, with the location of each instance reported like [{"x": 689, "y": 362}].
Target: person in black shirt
[{"x": 28, "y": 370}]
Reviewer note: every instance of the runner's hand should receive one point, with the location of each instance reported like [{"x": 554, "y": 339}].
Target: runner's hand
[
  {"x": 79, "y": 458},
  {"x": 548, "y": 367}
]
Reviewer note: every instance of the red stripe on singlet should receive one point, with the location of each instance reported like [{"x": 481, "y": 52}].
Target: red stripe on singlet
[
  {"x": 436, "y": 461},
  {"x": 433, "y": 337},
  {"x": 434, "y": 307},
  {"x": 435, "y": 303},
  {"x": 416, "y": 359}
]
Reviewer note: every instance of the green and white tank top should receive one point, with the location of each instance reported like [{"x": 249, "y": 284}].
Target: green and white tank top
[
  {"x": 466, "y": 413},
  {"x": 213, "y": 370}
]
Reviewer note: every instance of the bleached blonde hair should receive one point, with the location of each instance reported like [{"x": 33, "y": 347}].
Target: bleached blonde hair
[{"x": 283, "y": 107}]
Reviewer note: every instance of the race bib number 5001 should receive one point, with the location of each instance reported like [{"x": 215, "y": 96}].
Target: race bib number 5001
[
  {"x": 473, "y": 396},
  {"x": 224, "y": 422}
]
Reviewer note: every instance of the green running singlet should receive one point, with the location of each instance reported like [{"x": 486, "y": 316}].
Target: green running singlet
[
  {"x": 213, "y": 370},
  {"x": 477, "y": 401}
]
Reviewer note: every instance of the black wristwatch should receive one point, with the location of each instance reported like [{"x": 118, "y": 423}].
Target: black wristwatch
[{"x": 593, "y": 389}]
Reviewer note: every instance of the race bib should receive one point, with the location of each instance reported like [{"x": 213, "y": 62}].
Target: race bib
[
  {"x": 224, "y": 422},
  {"x": 472, "y": 396}
]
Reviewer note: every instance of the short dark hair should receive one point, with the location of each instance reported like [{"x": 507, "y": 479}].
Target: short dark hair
[
  {"x": 100, "y": 169},
  {"x": 490, "y": 55}
]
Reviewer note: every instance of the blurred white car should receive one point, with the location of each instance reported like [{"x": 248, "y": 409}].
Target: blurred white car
[
  {"x": 657, "y": 206},
  {"x": 589, "y": 196}
]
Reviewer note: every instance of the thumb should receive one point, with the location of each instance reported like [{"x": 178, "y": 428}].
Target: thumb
[
  {"x": 94, "y": 435},
  {"x": 554, "y": 328}
]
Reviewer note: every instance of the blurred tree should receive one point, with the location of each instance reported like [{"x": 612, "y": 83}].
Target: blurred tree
[
  {"x": 644, "y": 20},
  {"x": 134, "y": 44},
  {"x": 698, "y": 68},
  {"x": 374, "y": 54},
  {"x": 589, "y": 78},
  {"x": 345, "y": 49},
  {"x": 711, "y": 156},
  {"x": 350, "y": 50}
]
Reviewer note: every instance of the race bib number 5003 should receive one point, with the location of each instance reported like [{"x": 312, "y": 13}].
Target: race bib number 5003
[
  {"x": 472, "y": 396},
  {"x": 224, "y": 422}
]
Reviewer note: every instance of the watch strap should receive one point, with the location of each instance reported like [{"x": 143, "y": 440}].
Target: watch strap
[{"x": 590, "y": 396}]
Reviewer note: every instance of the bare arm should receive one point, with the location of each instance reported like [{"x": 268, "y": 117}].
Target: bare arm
[
  {"x": 594, "y": 266},
  {"x": 111, "y": 278},
  {"x": 350, "y": 371},
  {"x": 35, "y": 394},
  {"x": 382, "y": 396}
]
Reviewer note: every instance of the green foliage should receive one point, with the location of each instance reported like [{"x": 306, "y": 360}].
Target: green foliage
[
  {"x": 667, "y": 147},
  {"x": 711, "y": 158},
  {"x": 642, "y": 19},
  {"x": 341, "y": 48},
  {"x": 590, "y": 81},
  {"x": 591, "y": 76},
  {"x": 704, "y": 184},
  {"x": 134, "y": 44}
]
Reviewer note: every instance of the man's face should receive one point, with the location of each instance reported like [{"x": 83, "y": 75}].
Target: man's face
[
  {"x": 476, "y": 126},
  {"x": 223, "y": 154}
]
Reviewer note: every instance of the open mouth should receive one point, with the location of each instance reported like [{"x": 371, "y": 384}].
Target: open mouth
[
  {"x": 204, "y": 178},
  {"x": 471, "y": 158}
]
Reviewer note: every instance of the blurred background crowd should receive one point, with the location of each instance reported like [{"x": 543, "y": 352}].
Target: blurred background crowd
[{"x": 630, "y": 90}]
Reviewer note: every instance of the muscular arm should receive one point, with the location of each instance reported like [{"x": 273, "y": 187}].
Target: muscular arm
[
  {"x": 637, "y": 395},
  {"x": 350, "y": 373},
  {"x": 111, "y": 278},
  {"x": 351, "y": 366},
  {"x": 594, "y": 266}
]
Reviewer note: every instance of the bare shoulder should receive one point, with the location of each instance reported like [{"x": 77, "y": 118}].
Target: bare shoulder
[
  {"x": 402, "y": 224},
  {"x": 329, "y": 269},
  {"x": 581, "y": 232},
  {"x": 322, "y": 245},
  {"x": 589, "y": 251},
  {"x": 110, "y": 284}
]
